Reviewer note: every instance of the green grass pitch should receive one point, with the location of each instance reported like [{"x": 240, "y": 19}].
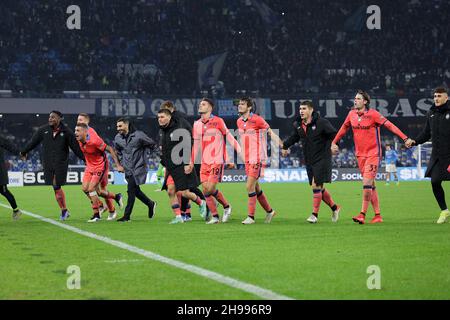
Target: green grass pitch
[{"x": 289, "y": 256}]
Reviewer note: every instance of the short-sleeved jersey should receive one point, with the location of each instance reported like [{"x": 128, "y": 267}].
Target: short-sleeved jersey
[
  {"x": 366, "y": 131},
  {"x": 212, "y": 134},
  {"x": 94, "y": 151},
  {"x": 92, "y": 132},
  {"x": 253, "y": 138},
  {"x": 391, "y": 156}
]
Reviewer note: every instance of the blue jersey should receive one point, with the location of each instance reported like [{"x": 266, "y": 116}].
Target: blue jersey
[{"x": 391, "y": 157}]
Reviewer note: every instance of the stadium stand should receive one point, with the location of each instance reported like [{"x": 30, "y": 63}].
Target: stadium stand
[{"x": 270, "y": 50}]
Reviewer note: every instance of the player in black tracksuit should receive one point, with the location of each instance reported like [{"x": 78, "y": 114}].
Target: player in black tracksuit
[
  {"x": 184, "y": 205},
  {"x": 56, "y": 139},
  {"x": 315, "y": 134},
  {"x": 437, "y": 128},
  {"x": 176, "y": 143},
  {"x": 8, "y": 146}
]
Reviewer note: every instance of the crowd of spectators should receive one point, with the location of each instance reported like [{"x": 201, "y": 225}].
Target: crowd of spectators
[{"x": 273, "y": 47}]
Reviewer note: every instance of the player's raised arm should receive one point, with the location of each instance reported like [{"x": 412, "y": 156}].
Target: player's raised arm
[
  {"x": 382, "y": 121},
  {"x": 395, "y": 130}
]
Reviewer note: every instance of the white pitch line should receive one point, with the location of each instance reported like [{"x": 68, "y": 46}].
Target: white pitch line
[
  {"x": 247, "y": 287},
  {"x": 123, "y": 260}
]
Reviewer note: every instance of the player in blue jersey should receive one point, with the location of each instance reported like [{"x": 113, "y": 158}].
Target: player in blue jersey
[{"x": 391, "y": 157}]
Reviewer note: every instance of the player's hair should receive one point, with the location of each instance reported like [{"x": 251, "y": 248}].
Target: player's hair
[
  {"x": 168, "y": 105},
  {"x": 84, "y": 115},
  {"x": 250, "y": 103},
  {"x": 365, "y": 96},
  {"x": 307, "y": 103},
  {"x": 82, "y": 125},
  {"x": 247, "y": 100},
  {"x": 165, "y": 111},
  {"x": 211, "y": 103},
  {"x": 58, "y": 113},
  {"x": 124, "y": 120},
  {"x": 440, "y": 90}
]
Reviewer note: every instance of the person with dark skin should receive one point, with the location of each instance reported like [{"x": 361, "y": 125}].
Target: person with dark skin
[{"x": 56, "y": 139}]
